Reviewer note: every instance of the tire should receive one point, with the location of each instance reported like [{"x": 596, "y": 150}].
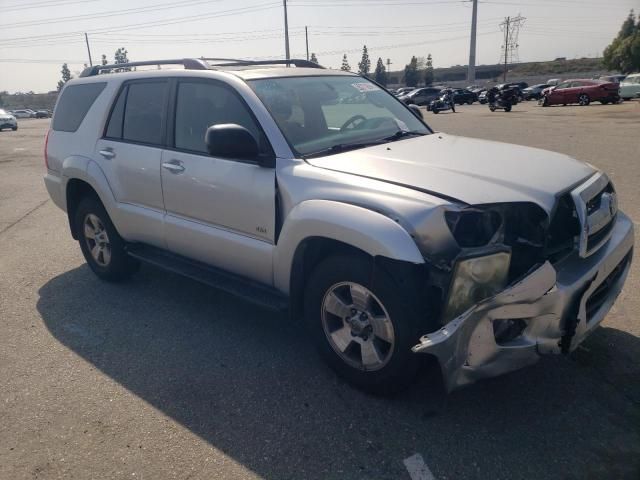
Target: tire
[
  {"x": 604, "y": 102},
  {"x": 330, "y": 305},
  {"x": 109, "y": 260},
  {"x": 493, "y": 109},
  {"x": 435, "y": 110},
  {"x": 507, "y": 108},
  {"x": 14, "y": 128},
  {"x": 584, "y": 100},
  {"x": 469, "y": 102}
]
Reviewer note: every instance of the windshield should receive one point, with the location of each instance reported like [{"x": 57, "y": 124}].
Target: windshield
[{"x": 327, "y": 114}]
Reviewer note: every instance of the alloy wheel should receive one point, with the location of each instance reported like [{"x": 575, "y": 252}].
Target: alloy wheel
[{"x": 97, "y": 239}]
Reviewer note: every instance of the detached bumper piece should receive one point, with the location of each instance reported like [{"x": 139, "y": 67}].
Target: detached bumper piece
[{"x": 549, "y": 311}]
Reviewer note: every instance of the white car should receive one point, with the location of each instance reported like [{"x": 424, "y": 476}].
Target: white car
[
  {"x": 630, "y": 86},
  {"x": 7, "y": 120},
  {"x": 25, "y": 113},
  {"x": 386, "y": 240}
]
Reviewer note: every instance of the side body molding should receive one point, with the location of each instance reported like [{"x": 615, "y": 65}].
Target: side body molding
[{"x": 359, "y": 227}]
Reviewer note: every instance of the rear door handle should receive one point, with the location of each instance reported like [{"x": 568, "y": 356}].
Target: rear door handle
[
  {"x": 174, "y": 166},
  {"x": 107, "y": 153}
]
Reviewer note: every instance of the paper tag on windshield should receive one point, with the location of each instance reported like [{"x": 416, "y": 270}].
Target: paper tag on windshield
[{"x": 365, "y": 87}]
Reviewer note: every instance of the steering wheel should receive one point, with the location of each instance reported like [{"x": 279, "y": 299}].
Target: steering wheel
[{"x": 353, "y": 120}]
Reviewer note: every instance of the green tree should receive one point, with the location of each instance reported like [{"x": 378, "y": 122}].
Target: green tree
[
  {"x": 380, "y": 74},
  {"x": 623, "y": 54},
  {"x": 428, "y": 72},
  {"x": 345, "y": 64},
  {"x": 364, "y": 66},
  {"x": 104, "y": 60},
  {"x": 411, "y": 73},
  {"x": 66, "y": 76},
  {"x": 314, "y": 59},
  {"x": 121, "y": 57}
]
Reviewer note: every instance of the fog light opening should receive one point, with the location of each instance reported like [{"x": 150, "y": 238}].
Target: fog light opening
[{"x": 506, "y": 331}]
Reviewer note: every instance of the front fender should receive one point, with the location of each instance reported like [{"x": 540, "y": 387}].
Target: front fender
[{"x": 359, "y": 227}]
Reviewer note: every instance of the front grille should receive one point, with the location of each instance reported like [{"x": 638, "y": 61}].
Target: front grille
[
  {"x": 601, "y": 294},
  {"x": 563, "y": 230},
  {"x": 595, "y": 239}
]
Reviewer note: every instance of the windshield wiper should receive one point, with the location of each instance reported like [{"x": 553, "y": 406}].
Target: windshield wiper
[
  {"x": 403, "y": 134},
  {"x": 339, "y": 148}
]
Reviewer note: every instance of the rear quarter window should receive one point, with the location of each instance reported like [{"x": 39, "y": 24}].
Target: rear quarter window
[{"x": 74, "y": 104}]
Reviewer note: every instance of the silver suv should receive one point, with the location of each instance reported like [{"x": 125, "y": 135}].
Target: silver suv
[{"x": 318, "y": 192}]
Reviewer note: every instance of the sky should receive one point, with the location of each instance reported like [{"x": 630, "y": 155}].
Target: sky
[{"x": 37, "y": 36}]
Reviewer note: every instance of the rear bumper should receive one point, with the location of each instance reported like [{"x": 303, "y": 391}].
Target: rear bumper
[
  {"x": 560, "y": 306},
  {"x": 54, "y": 186}
]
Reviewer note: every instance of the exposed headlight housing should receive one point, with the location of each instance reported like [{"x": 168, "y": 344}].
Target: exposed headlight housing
[
  {"x": 473, "y": 227},
  {"x": 476, "y": 278}
]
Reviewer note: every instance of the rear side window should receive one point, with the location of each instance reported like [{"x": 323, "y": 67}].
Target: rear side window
[
  {"x": 138, "y": 114},
  {"x": 74, "y": 104}
]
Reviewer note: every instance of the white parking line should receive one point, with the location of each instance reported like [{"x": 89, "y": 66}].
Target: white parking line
[{"x": 418, "y": 470}]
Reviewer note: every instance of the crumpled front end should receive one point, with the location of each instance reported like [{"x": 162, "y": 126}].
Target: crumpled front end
[{"x": 550, "y": 310}]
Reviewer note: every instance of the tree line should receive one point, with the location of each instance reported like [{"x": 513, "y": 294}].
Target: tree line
[
  {"x": 416, "y": 71},
  {"x": 121, "y": 56}
]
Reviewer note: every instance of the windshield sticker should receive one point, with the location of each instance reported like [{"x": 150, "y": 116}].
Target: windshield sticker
[{"x": 365, "y": 87}]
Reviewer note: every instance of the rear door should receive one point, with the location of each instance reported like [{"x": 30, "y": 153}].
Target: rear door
[
  {"x": 130, "y": 152},
  {"x": 220, "y": 211}
]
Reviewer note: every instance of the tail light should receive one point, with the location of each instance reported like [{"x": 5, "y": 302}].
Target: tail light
[{"x": 46, "y": 143}]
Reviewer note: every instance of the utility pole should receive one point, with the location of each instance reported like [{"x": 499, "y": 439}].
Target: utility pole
[
  {"x": 86, "y": 39},
  {"x": 388, "y": 65},
  {"x": 306, "y": 37},
  {"x": 286, "y": 32},
  {"x": 506, "y": 47},
  {"x": 511, "y": 27},
  {"x": 471, "y": 72}
]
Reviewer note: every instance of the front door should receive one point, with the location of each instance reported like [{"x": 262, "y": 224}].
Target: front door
[{"x": 220, "y": 211}]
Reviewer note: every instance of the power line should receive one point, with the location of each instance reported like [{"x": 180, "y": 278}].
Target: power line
[{"x": 49, "y": 3}]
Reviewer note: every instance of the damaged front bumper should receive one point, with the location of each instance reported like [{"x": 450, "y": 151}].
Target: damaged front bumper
[{"x": 556, "y": 305}]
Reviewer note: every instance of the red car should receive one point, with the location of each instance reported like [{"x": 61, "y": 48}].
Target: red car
[{"x": 582, "y": 92}]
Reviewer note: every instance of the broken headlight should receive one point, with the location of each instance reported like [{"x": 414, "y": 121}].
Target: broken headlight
[
  {"x": 475, "y": 279},
  {"x": 473, "y": 228}
]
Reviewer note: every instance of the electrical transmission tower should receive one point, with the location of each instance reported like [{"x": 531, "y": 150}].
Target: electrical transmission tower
[{"x": 511, "y": 28}]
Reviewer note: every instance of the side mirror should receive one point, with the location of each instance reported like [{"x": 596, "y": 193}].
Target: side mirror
[
  {"x": 230, "y": 140},
  {"x": 416, "y": 111}
]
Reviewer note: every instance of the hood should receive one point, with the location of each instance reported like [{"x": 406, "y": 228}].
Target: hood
[{"x": 465, "y": 169}]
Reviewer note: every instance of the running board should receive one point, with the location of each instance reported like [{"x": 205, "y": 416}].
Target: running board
[{"x": 241, "y": 287}]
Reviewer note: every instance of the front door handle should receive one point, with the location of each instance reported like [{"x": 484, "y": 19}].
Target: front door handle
[
  {"x": 174, "y": 166},
  {"x": 107, "y": 153}
]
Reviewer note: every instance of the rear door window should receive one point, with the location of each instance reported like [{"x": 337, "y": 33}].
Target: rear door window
[
  {"x": 144, "y": 112},
  {"x": 74, "y": 104}
]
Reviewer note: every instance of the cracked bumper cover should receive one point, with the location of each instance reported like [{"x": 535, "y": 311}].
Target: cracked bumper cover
[{"x": 547, "y": 299}]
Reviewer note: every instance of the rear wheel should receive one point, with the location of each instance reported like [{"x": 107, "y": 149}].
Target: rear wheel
[
  {"x": 492, "y": 108},
  {"x": 361, "y": 324},
  {"x": 507, "y": 108},
  {"x": 101, "y": 245},
  {"x": 584, "y": 100},
  {"x": 435, "y": 110}
]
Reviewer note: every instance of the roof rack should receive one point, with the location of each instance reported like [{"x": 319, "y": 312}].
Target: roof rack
[
  {"x": 232, "y": 62},
  {"x": 199, "y": 64},
  {"x": 189, "y": 64}
]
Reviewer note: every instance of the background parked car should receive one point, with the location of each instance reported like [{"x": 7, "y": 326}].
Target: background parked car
[
  {"x": 630, "y": 86},
  {"x": 463, "y": 95},
  {"x": 403, "y": 91},
  {"x": 421, "y": 96},
  {"x": 535, "y": 91},
  {"x": 613, "y": 78},
  {"x": 582, "y": 92},
  {"x": 24, "y": 113},
  {"x": 554, "y": 81},
  {"x": 482, "y": 96},
  {"x": 7, "y": 120},
  {"x": 43, "y": 114}
]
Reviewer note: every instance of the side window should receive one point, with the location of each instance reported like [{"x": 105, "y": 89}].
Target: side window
[
  {"x": 143, "y": 114},
  {"x": 74, "y": 104},
  {"x": 202, "y": 104},
  {"x": 114, "y": 129},
  {"x": 563, "y": 85}
]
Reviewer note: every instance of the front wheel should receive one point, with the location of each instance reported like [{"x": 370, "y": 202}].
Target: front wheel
[
  {"x": 492, "y": 108},
  {"x": 362, "y": 324},
  {"x": 435, "y": 110},
  {"x": 101, "y": 245},
  {"x": 584, "y": 100},
  {"x": 507, "y": 108}
]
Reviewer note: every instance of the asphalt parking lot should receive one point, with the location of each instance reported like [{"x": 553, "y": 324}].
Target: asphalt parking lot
[{"x": 163, "y": 378}]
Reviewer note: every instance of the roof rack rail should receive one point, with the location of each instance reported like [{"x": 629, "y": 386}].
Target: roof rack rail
[
  {"x": 232, "y": 62},
  {"x": 189, "y": 64}
]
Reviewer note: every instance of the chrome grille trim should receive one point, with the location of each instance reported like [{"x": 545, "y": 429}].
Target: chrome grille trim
[{"x": 593, "y": 222}]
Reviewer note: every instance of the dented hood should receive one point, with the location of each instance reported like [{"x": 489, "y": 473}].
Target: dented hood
[{"x": 465, "y": 169}]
